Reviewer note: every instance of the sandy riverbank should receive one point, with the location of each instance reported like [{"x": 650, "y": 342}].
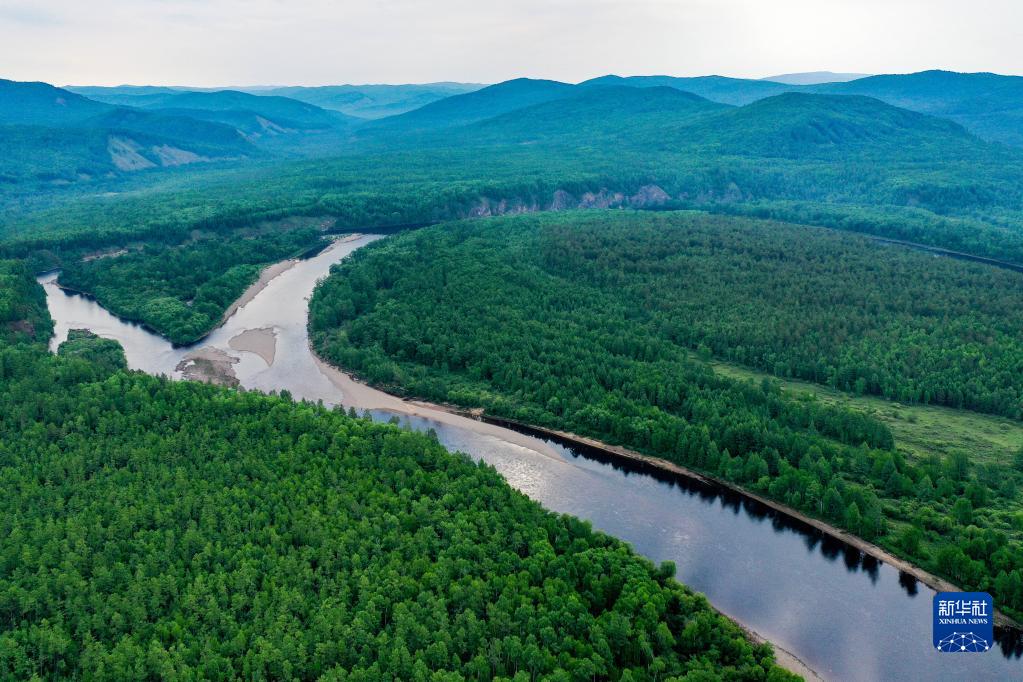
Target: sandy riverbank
[
  {"x": 365, "y": 397},
  {"x": 265, "y": 277},
  {"x": 272, "y": 271}
]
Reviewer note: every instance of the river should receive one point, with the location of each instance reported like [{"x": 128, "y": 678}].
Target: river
[{"x": 846, "y": 616}]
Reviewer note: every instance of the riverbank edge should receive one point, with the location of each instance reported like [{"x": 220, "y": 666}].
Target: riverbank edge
[{"x": 266, "y": 275}]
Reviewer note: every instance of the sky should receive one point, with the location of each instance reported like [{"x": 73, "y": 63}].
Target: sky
[{"x": 214, "y": 43}]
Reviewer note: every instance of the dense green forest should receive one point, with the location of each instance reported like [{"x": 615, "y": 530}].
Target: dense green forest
[
  {"x": 584, "y": 322},
  {"x": 181, "y": 292},
  {"x": 104, "y": 354},
  {"x": 816, "y": 305},
  {"x": 171, "y": 530}
]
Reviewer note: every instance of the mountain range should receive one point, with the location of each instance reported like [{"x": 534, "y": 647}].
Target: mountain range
[
  {"x": 988, "y": 105},
  {"x": 56, "y": 135}
]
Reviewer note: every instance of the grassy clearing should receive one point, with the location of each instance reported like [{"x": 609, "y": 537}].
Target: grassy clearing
[{"x": 919, "y": 430}]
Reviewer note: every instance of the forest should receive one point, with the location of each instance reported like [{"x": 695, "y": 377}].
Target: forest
[
  {"x": 835, "y": 310},
  {"x": 153, "y": 529},
  {"x": 586, "y": 322}
]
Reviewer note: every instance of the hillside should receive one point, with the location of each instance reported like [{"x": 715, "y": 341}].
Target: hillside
[
  {"x": 72, "y": 139},
  {"x": 636, "y": 115},
  {"x": 51, "y": 137},
  {"x": 35, "y": 156},
  {"x": 42, "y": 104},
  {"x": 798, "y": 125},
  {"x": 189, "y": 131},
  {"x": 475, "y": 106},
  {"x": 734, "y": 91},
  {"x": 990, "y": 105}
]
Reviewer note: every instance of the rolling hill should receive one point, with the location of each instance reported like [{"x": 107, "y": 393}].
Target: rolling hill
[
  {"x": 988, "y": 105},
  {"x": 232, "y": 107},
  {"x": 51, "y": 135},
  {"x": 735, "y": 91},
  {"x": 802, "y": 125},
  {"x": 283, "y": 111},
  {"x": 791, "y": 125},
  {"x": 590, "y": 115},
  {"x": 125, "y": 95},
  {"x": 471, "y": 107}
]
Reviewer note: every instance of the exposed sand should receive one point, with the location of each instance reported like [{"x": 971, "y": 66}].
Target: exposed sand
[
  {"x": 262, "y": 342},
  {"x": 365, "y": 397},
  {"x": 268, "y": 273},
  {"x": 272, "y": 271},
  {"x": 211, "y": 365}
]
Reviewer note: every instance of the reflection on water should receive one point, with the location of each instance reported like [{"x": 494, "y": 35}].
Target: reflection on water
[{"x": 848, "y": 616}]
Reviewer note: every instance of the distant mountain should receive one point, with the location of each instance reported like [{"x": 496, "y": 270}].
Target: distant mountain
[
  {"x": 125, "y": 95},
  {"x": 654, "y": 119},
  {"x": 488, "y": 102},
  {"x": 43, "y": 104},
  {"x": 929, "y": 91},
  {"x": 804, "y": 125},
  {"x": 815, "y": 77},
  {"x": 987, "y": 104},
  {"x": 370, "y": 101},
  {"x": 282, "y": 113},
  {"x": 735, "y": 91},
  {"x": 594, "y": 113},
  {"x": 49, "y": 134},
  {"x": 282, "y": 110}
]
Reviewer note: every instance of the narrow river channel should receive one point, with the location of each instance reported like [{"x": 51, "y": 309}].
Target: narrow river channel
[{"x": 846, "y": 616}]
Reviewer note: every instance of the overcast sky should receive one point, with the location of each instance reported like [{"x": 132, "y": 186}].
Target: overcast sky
[{"x": 315, "y": 42}]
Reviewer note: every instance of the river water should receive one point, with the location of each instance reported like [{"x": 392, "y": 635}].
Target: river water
[{"x": 846, "y": 616}]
